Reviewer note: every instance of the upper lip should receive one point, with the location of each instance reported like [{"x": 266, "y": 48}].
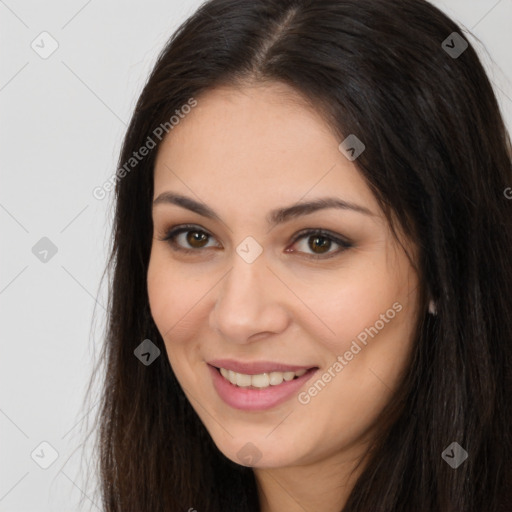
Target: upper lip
[{"x": 256, "y": 367}]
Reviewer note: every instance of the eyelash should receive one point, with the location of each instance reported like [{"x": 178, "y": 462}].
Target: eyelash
[{"x": 172, "y": 233}]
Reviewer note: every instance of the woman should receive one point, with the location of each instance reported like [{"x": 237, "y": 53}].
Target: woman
[{"x": 310, "y": 306}]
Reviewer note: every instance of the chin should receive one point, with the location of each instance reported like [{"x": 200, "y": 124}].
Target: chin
[{"x": 259, "y": 452}]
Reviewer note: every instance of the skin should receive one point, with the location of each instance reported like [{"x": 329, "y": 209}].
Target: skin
[{"x": 244, "y": 152}]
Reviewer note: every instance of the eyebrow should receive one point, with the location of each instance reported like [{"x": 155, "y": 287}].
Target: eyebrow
[{"x": 277, "y": 216}]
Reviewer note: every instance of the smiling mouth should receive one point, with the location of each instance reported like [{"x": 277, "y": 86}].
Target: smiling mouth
[{"x": 262, "y": 380}]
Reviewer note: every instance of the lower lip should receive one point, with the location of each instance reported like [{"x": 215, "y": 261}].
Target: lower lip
[{"x": 250, "y": 399}]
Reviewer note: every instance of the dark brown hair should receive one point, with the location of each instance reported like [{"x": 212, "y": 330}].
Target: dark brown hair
[{"x": 438, "y": 159}]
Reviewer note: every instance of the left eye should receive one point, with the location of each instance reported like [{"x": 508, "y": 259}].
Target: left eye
[{"x": 320, "y": 242}]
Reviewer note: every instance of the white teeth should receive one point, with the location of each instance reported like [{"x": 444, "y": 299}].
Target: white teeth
[
  {"x": 262, "y": 380},
  {"x": 242, "y": 380},
  {"x": 276, "y": 378}
]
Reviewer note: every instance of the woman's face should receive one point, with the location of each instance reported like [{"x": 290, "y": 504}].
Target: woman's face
[{"x": 254, "y": 288}]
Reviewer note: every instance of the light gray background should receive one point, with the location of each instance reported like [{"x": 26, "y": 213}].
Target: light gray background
[{"x": 62, "y": 120}]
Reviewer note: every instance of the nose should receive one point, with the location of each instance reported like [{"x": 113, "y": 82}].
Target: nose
[{"x": 250, "y": 303}]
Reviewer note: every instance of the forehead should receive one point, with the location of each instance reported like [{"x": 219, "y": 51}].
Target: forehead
[{"x": 262, "y": 142}]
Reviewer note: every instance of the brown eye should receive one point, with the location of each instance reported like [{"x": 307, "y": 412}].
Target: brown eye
[
  {"x": 312, "y": 243},
  {"x": 188, "y": 239},
  {"x": 317, "y": 243},
  {"x": 196, "y": 239}
]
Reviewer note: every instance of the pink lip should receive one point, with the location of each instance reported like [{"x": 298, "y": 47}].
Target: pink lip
[
  {"x": 250, "y": 399},
  {"x": 255, "y": 367}
]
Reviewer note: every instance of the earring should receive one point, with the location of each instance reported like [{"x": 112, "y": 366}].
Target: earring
[{"x": 432, "y": 308}]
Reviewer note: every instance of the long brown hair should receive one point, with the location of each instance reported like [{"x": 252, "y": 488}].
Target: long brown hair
[{"x": 438, "y": 159}]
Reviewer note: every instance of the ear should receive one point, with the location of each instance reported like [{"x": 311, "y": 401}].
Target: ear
[{"x": 432, "y": 308}]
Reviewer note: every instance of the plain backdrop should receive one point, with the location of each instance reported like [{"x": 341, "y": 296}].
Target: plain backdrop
[{"x": 62, "y": 120}]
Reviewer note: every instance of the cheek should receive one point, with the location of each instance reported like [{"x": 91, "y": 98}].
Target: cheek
[
  {"x": 178, "y": 302},
  {"x": 169, "y": 295},
  {"x": 354, "y": 303},
  {"x": 375, "y": 299},
  {"x": 159, "y": 292},
  {"x": 373, "y": 315},
  {"x": 361, "y": 315},
  {"x": 374, "y": 337},
  {"x": 171, "y": 300}
]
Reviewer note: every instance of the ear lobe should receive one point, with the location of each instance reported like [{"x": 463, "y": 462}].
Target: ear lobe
[{"x": 432, "y": 308}]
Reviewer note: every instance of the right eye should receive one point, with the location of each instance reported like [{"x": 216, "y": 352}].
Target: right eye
[{"x": 179, "y": 237}]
